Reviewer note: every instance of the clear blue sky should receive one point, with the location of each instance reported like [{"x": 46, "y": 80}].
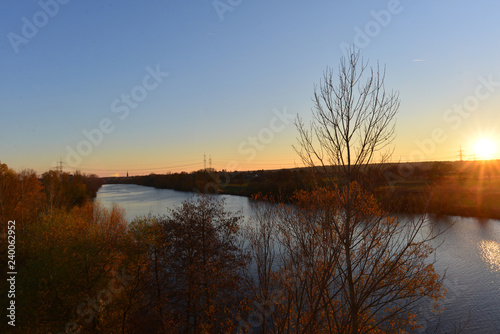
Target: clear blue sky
[{"x": 228, "y": 78}]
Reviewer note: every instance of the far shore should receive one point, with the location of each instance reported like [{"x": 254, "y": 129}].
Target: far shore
[{"x": 458, "y": 188}]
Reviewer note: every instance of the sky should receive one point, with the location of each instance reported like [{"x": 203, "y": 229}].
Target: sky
[{"x": 111, "y": 87}]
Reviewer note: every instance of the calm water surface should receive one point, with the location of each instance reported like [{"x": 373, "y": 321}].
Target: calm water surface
[
  {"x": 141, "y": 201},
  {"x": 469, "y": 253}
]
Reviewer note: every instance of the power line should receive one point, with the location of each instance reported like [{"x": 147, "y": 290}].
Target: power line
[
  {"x": 154, "y": 163},
  {"x": 124, "y": 167}
]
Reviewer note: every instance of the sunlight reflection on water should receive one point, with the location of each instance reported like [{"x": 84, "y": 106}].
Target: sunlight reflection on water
[{"x": 490, "y": 253}]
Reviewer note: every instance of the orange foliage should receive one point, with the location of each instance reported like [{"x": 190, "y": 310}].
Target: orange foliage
[{"x": 350, "y": 267}]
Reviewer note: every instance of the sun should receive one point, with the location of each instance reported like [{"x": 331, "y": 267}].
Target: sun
[{"x": 485, "y": 149}]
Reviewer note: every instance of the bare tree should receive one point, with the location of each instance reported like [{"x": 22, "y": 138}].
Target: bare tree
[
  {"x": 260, "y": 237},
  {"x": 353, "y": 118},
  {"x": 381, "y": 270}
]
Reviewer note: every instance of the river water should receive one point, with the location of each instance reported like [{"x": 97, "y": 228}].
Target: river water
[{"x": 469, "y": 253}]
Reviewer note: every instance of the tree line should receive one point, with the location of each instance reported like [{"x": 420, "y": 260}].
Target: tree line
[
  {"x": 457, "y": 188},
  {"x": 24, "y": 195}
]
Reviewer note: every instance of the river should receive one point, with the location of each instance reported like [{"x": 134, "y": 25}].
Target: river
[{"x": 469, "y": 253}]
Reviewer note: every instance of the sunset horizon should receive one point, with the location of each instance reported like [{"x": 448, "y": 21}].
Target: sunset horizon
[
  {"x": 235, "y": 166},
  {"x": 142, "y": 97}
]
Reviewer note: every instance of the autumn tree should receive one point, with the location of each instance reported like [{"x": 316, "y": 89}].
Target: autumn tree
[
  {"x": 201, "y": 267},
  {"x": 30, "y": 197},
  {"x": 261, "y": 280},
  {"x": 377, "y": 264},
  {"x": 21, "y": 197},
  {"x": 81, "y": 265},
  {"x": 9, "y": 190},
  {"x": 71, "y": 260}
]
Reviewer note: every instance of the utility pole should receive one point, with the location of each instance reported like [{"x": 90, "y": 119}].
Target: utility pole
[
  {"x": 461, "y": 153},
  {"x": 210, "y": 163},
  {"x": 60, "y": 166},
  {"x": 204, "y": 162}
]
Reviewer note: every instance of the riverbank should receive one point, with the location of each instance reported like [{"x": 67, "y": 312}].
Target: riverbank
[{"x": 462, "y": 188}]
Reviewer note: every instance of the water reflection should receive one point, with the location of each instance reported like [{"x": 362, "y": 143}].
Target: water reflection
[
  {"x": 490, "y": 253},
  {"x": 141, "y": 201}
]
